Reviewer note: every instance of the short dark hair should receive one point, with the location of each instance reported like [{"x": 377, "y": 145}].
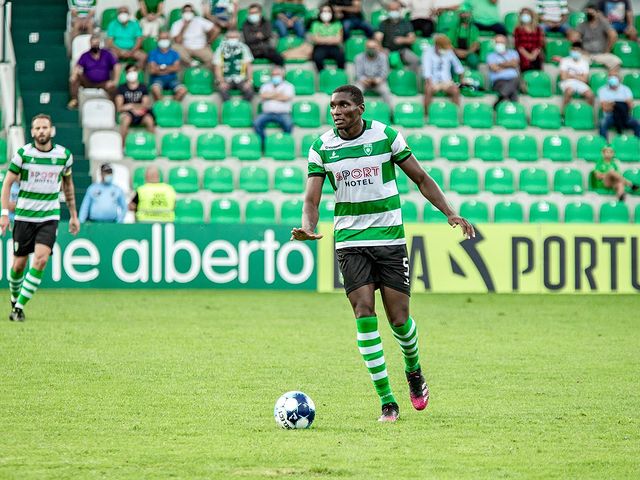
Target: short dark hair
[
  {"x": 577, "y": 44},
  {"x": 353, "y": 91},
  {"x": 43, "y": 116},
  {"x": 130, "y": 66},
  {"x": 255, "y": 5},
  {"x": 187, "y": 5}
]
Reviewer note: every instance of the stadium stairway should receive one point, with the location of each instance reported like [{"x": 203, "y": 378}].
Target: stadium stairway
[{"x": 38, "y": 36}]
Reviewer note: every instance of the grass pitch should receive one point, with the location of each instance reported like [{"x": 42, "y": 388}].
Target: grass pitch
[{"x": 181, "y": 384}]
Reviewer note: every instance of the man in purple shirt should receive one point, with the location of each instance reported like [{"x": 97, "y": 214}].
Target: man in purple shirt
[{"x": 96, "y": 68}]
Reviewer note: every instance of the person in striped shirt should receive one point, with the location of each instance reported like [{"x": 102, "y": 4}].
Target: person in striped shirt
[
  {"x": 359, "y": 157},
  {"x": 41, "y": 168}
]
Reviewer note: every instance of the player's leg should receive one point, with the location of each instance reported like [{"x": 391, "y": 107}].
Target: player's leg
[
  {"x": 16, "y": 276},
  {"x": 34, "y": 276}
]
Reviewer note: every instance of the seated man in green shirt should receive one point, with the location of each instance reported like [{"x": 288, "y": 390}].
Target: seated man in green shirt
[
  {"x": 124, "y": 38},
  {"x": 486, "y": 16},
  {"x": 465, "y": 38},
  {"x": 607, "y": 175}
]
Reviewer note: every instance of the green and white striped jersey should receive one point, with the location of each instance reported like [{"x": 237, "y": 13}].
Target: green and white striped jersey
[
  {"x": 363, "y": 175},
  {"x": 40, "y": 180}
]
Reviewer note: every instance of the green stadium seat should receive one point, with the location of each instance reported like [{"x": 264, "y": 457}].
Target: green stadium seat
[
  {"x": 636, "y": 215},
  {"x": 477, "y": 79},
  {"x": 306, "y": 114},
  {"x": 614, "y": 212},
  {"x": 534, "y": 181},
  {"x": 243, "y": 13},
  {"x": 254, "y": 179},
  {"x": 291, "y": 212},
  {"x": 403, "y": 83},
  {"x": 260, "y": 77},
  {"x": 543, "y": 212},
  {"x": 174, "y": 16},
  {"x": 354, "y": 46},
  {"x": 432, "y": 215},
  {"x": 409, "y": 210},
  {"x": 633, "y": 175},
  {"x": 508, "y": 212},
  {"x": 447, "y": 20},
  {"x": 409, "y": 114},
  {"x": 3, "y": 149},
  {"x": 436, "y": 174},
  {"x": 627, "y": 148},
  {"x": 287, "y": 43},
  {"x": 149, "y": 44},
  {"x": 499, "y": 181},
  {"x": 578, "y": 212},
  {"x": 140, "y": 146},
  {"x": 628, "y": 52},
  {"x": 304, "y": 81},
  {"x": 523, "y": 148},
  {"x": 330, "y": 79},
  {"x": 260, "y": 211},
  {"x": 237, "y": 113},
  {"x": 108, "y": 16},
  {"x": 202, "y": 114},
  {"x": 138, "y": 177},
  {"x": 557, "y": 148},
  {"x": 488, "y": 148},
  {"x": 475, "y": 211},
  {"x": 189, "y": 210},
  {"x": 443, "y": 114},
  {"x": 477, "y": 115},
  {"x": 246, "y": 146},
  {"x": 579, "y": 116},
  {"x": 378, "y": 16},
  {"x": 402, "y": 181},
  {"x": 280, "y": 146},
  {"x": 511, "y": 115},
  {"x": 306, "y": 143},
  {"x": 510, "y": 22},
  {"x": 597, "y": 80},
  {"x": 538, "y": 83},
  {"x": 632, "y": 80},
  {"x": 375, "y": 110},
  {"x": 421, "y": 44},
  {"x": 589, "y": 147},
  {"x": 326, "y": 210},
  {"x": 225, "y": 210},
  {"x": 289, "y": 180},
  {"x": 547, "y": 116},
  {"x": 568, "y": 181},
  {"x": 421, "y": 145},
  {"x": 211, "y": 146},
  {"x": 556, "y": 47},
  {"x": 199, "y": 81},
  {"x": 218, "y": 179},
  {"x": 487, "y": 46},
  {"x": 184, "y": 179},
  {"x": 176, "y": 146},
  {"x": 168, "y": 113},
  {"x": 454, "y": 147},
  {"x": 464, "y": 180},
  {"x": 576, "y": 18}
]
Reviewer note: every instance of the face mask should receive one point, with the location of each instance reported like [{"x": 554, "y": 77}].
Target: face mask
[
  {"x": 277, "y": 79},
  {"x": 253, "y": 18},
  {"x": 575, "y": 55},
  {"x": 525, "y": 18},
  {"x": 108, "y": 179},
  {"x": 614, "y": 82},
  {"x": 132, "y": 77},
  {"x": 233, "y": 42},
  {"x": 590, "y": 17},
  {"x": 164, "y": 43},
  {"x": 94, "y": 49},
  {"x": 187, "y": 16},
  {"x": 394, "y": 14},
  {"x": 123, "y": 17},
  {"x": 326, "y": 16},
  {"x": 500, "y": 48},
  {"x": 443, "y": 52},
  {"x": 371, "y": 52}
]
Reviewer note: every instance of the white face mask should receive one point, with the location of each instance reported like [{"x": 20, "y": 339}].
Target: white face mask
[
  {"x": 394, "y": 14},
  {"x": 132, "y": 77},
  {"x": 188, "y": 16},
  {"x": 326, "y": 16},
  {"x": 123, "y": 17},
  {"x": 253, "y": 18},
  {"x": 525, "y": 18},
  {"x": 500, "y": 48},
  {"x": 233, "y": 42},
  {"x": 164, "y": 43}
]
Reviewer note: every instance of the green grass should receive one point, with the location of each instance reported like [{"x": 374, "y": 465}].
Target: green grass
[{"x": 182, "y": 385}]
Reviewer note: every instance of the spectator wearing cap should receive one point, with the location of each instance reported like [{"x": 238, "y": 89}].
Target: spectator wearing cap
[
  {"x": 616, "y": 101},
  {"x": 82, "y": 16},
  {"x": 258, "y": 35},
  {"x": 372, "y": 70},
  {"x": 164, "y": 65},
  {"x": 487, "y": 16},
  {"x": 574, "y": 76},
  {"x": 276, "y": 96},
  {"x": 503, "y": 70},
  {"x": 192, "y": 36},
  {"x": 104, "y": 201},
  {"x": 124, "y": 38},
  {"x": 598, "y": 38}
]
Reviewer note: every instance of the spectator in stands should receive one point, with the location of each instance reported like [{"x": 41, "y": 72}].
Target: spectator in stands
[
  {"x": 191, "y": 37},
  {"x": 82, "y": 16},
  {"x": 397, "y": 36},
  {"x": 277, "y": 97},
  {"x": 151, "y": 17},
  {"x": 96, "y": 68},
  {"x": 574, "y": 76},
  {"x": 289, "y": 15},
  {"x": 503, "y": 70},
  {"x": 133, "y": 104},
  {"x": 326, "y": 37},
  {"x": 553, "y": 16},
  {"x": 154, "y": 201},
  {"x": 606, "y": 174},
  {"x": 372, "y": 70},
  {"x": 232, "y": 66},
  {"x": 258, "y": 36},
  {"x": 529, "y": 41},
  {"x": 104, "y": 201},
  {"x": 420, "y": 13},
  {"x": 620, "y": 16},
  {"x": 465, "y": 38},
  {"x": 349, "y": 12},
  {"x": 616, "y": 101},
  {"x": 124, "y": 38},
  {"x": 486, "y": 16},
  {"x": 598, "y": 39},
  {"x": 223, "y": 14},
  {"x": 164, "y": 65},
  {"x": 437, "y": 64}
]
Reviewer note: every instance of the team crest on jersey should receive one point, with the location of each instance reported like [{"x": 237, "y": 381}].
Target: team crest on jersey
[{"x": 368, "y": 148}]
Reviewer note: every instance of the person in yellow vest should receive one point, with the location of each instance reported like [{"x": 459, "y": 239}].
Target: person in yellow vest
[{"x": 155, "y": 201}]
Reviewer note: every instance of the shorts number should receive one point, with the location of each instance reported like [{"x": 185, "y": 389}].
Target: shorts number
[{"x": 405, "y": 264}]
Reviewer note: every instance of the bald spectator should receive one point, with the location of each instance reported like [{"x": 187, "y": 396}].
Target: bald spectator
[
  {"x": 192, "y": 36},
  {"x": 154, "y": 201},
  {"x": 124, "y": 38},
  {"x": 372, "y": 70}
]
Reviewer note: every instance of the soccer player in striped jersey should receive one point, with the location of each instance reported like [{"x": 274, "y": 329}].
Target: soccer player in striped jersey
[
  {"x": 359, "y": 158},
  {"x": 40, "y": 168}
]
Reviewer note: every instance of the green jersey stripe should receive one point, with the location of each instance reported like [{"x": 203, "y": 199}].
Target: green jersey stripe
[
  {"x": 371, "y": 233},
  {"x": 368, "y": 149},
  {"x": 14, "y": 168},
  {"x": 60, "y": 162},
  {"x": 367, "y": 208},
  {"x": 21, "y": 212},
  {"x": 391, "y": 134},
  {"x": 388, "y": 172},
  {"x": 401, "y": 156},
  {"x": 315, "y": 168},
  {"x": 38, "y": 196}
]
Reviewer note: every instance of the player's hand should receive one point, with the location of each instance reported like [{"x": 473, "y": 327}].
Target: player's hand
[
  {"x": 74, "y": 226},
  {"x": 4, "y": 223},
  {"x": 467, "y": 228},
  {"x": 301, "y": 235}
]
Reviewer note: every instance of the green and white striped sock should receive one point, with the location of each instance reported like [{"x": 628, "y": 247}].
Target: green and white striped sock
[
  {"x": 29, "y": 286},
  {"x": 15, "y": 283},
  {"x": 407, "y": 337},
  {"x": 370, "y": 346}
]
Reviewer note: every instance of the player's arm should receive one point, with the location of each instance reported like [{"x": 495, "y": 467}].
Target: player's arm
[
  {"x": 310, "y": 212},
  {"x": 9, "y": 180},
  {"x": 70, "y": 199},
  {"x": 431, "y": 191}
]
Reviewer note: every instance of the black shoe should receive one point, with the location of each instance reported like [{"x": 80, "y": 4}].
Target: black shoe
[
  {"x": 622, "y": 197},
  {"x": 17, "y": 315},
  {"x": 635, "y": 187},
  {"x": 13, "y": 304},
  {"x": 418, "y": 389},
  {"x": 390, "y": 412}
]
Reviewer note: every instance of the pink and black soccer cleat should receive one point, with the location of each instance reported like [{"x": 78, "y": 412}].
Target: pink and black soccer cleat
[
  {"x": 418, "y": 390},
  {"x": 390, "y": 412}
]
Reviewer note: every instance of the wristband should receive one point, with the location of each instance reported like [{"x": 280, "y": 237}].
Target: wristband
[{"x": 4, "y": 212}]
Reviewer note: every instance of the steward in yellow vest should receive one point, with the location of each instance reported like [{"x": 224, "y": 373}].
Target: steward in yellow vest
[{"x": 155, "y": 201}]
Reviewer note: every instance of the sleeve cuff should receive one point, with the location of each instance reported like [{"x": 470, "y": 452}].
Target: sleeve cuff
[{"x": 317, "y": 174}]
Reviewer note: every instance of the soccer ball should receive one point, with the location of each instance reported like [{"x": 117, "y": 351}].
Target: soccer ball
[{"x": 294, "y": 410}]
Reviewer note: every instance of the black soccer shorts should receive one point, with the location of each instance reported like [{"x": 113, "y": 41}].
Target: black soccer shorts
[
  {"x": 27, "y": 234},
  {"x": 380, "y": 265}
]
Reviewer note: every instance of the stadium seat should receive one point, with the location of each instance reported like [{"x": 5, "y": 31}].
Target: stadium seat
[
  {"x": 306, "y": 114},
  {"x": 375, "y": 110},
  {"x": 303, "y": 81},
  {"x": 510, "y": 22},
  {"x": 168, "y": 113},
  {"x": 261, "y": 76},
  {"x": 291, "y": 212},
  {"x": 499, "y": 181},
  {"x": 477, "y": 115},
  {"x": 331, "y": 78},
  {"x": 184, "y": 179},
  {"x": 409, "y": 114},
  {"x": 614, "y": 212},
  {"x": 176, "y": 146},
  {"x": 543, "y": 212},
  {"x": 189, "y": 211},
  {"x": 260, "y": 211},
  {"x": 421, "y": 146},
  {"x": 447, "y": 20},
  {"x": 632, "y": 80},
  {"x": 108, "y": 15},
  {"x": 487, "y": 46},
  {"x": 576, "y": 18},
  {"x": 628, "y": 52},
  {"x": 354, "y": 46},
  {"x": 454, "y": 147},
  {"x": 402, "y": 181},
  {"x": 511, "y": 115},
  {"x": 202, "y": 114},
  {"x": 280, "y": 146},
  {"x": 547, "y": 116},
  {"x": 475, "y": 211},
  {"x": 306, "y": 143},
  {"x": 597, "y": 80},
  {"x": 211, "y": 146},
  {"x": 237, "y": 113},
  {"x": 475, "y": 78},
  {"x": 289, "y": 180},
  {"x": 225, "y": 210},
  {"x": 198, "y": 81},
  {"x": 254, "y": 179},
  {"x": 287, "y": 43},
  {"x": 488, "y": 148},
  {"x": 436, "y": 174},
  {"x": 556, "y": 47},
  {"x": 627, "y": 148},
  {"x": 464, "y": 180},
  {"x": 568, "y": 181},
  {"x": 443, "y": 114},
  {"x": 523, "y": 148},
  {"x": 538, "y": 83},
  {"x": 103, "y": 146},
  {"x": 98, "y": 114},
  {"x": 326, "y": 210},
  {"x": 589, "y": 147},
  {"x": 579, "y": 116},
  {"x": 432, "y": 215},
  {"x": 508, "y": 212},
  {"x": 138, "y": 177},
  {"x": 218, "y": 179},
  {"x": 403, "y": 83},
  {"x": 378, "y": 16},
  {"x": 140, "y": 146},
  {"x": 409, "y": 210},
  {"x": 246, "y": 146},
  {"x": 578, "y": 212},
  {"x": 633, "y": 175},
  {"x": 421, "y": 44},
  {"x": 557, "y": 148},
  {"x": 534, "y": 181}
]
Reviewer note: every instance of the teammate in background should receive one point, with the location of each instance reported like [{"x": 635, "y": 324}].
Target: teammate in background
[
  {"x": 41, "y": 168},
  {"x": 359, "y": 158}
]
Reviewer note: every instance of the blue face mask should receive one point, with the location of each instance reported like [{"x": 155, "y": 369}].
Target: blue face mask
[
  {"x": 575, "y": 55},
  {"x": 277, "y": 80},
  {"x": 614, "y": 82},
  {"x": 108, "y": 179}
]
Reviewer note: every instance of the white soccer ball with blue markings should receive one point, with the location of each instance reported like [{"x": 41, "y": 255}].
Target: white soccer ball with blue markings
[{"x": 294, "y": 410}]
